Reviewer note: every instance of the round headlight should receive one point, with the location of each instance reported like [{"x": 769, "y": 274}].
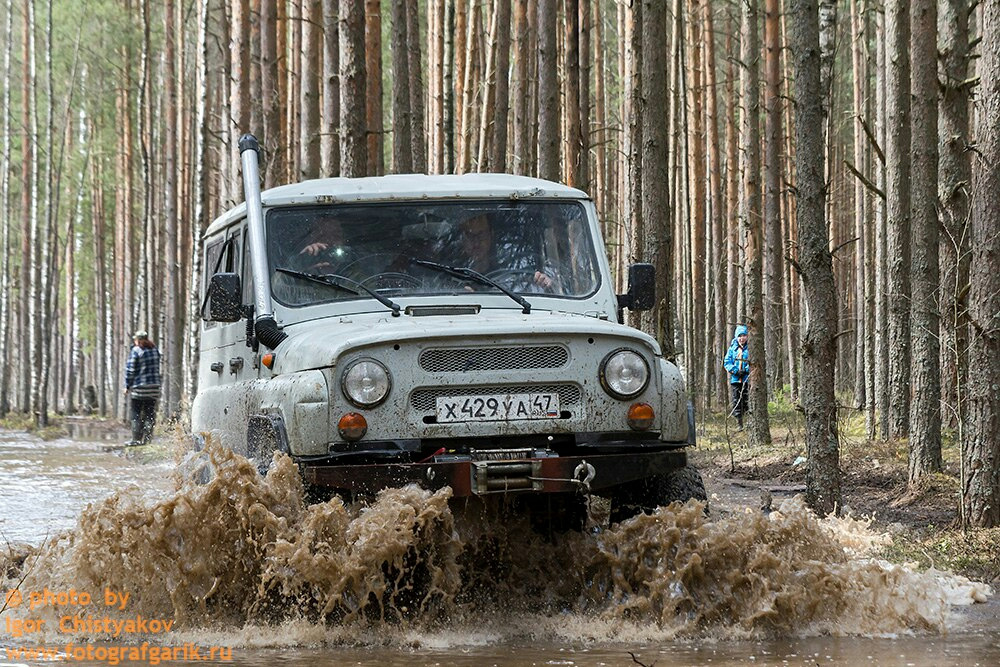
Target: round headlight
[
  {"x": 624, "y": 374},
  {"x": 366, "y": 383}
]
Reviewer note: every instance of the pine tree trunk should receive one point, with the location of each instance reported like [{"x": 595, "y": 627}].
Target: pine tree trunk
[
  {"x": 272, "y": 141},
  {"x": 27, "y": 170},
  {"x": 5, "y": 208},
  {"x": 501, "y": 108},
  {"x": 373, "y": 89},
  {"x": 584, "y": 60},
  {"x": 953, "y": 193},
  {"x": 201, "y": 192},
  {"x": 101, "y": 317},
  {"x": 402, "y": 144},
  {"x": 655, "y": 167},
  {"x": 330, "y": 123},
  {"x": 696, "y": 182},
  {"x": 925, "y": 408},
  {"x": 773, "y": 243},
  {"x": 353, "y": 144},
  {"x": 819, "y": 339},
  {"x": 172, "y": 296},
  {"x": 881, "y": 241},
  {"x": 897, "y": 154},
  {"x": 758, "y": 430},
  {"x": 716, "y": 339},
  {"x": 981, "y": 448},
  {"x": 548, "y": 92},
  {"x": 416, "y": 88},
  {"x": 309, "y": 88},
  {"x": 574, "y": 133},
  {"x": 734, "y": 314}
]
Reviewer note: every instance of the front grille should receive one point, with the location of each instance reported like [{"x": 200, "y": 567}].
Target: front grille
[
  {"x": 465, "y": 359},
  {"x": 424, "y": 399}
]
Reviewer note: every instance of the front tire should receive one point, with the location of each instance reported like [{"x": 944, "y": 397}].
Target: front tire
[{"x": 646, "y": 495}]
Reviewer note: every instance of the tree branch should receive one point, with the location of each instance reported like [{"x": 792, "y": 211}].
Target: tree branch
[
  {"x": 861, "y": 177},
  {"x": 845, "y": 243},
  {"x": 872, "y": 140}
]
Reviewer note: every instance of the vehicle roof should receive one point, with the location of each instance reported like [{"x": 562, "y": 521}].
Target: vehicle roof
[{"x": 405, "y": 187}]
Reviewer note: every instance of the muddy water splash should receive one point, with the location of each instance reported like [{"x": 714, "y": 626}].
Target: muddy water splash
[{"x": 247, "y": 552}]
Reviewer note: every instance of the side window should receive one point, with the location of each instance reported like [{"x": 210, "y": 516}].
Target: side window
[
  {"x": 213, "y": 253},
  {"x": 222, "y": 255}
]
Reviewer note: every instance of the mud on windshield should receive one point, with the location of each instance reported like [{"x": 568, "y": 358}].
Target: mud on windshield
[{"x": 338, "y": 252}]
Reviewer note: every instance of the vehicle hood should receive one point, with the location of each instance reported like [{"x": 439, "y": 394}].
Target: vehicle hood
[{"x": 319, "y": 343}]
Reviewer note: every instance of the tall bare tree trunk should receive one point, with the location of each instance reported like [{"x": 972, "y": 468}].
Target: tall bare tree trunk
[
  {"x": 501, "y": 95},
  {"x": 330, "y": 141},
  {"x": 416, "y": 88},
  {"x": 402, "y": 144},
  {"x": 773, "y": 246},
  {"x": 819, "y": 339},
  {"x": 897, "y": 98},
  {"x": 925, "y": 406},
  {"x": 584, "y": 59},
  {"x": 548, "y": 92},
  {"x": 758, "y": 428},
  {"x": 716, "y": 338},
  {"x": 981, "y": 449},
  {"x": 655, "y": 167},
  {"x": 953, "y": 193},
  {"x": 632, "y": 154},
  {"x": 273, "y": 139},
  {"x": 173, "y": 298},
  {"x": 353, "y": 145},
  {"x": 27, "y": 170},
  {"x": 520, "y": 164},
  {"x": 373, "y": 89},
  {"x": 309, "y": 88},
  {"x": 102, "y": 316},
  {"x": 881, "y": 239},
  {"x": 573, "y": 167},
  {"x": 5, "y": 217},
  {"x": 697, "y": 177}
]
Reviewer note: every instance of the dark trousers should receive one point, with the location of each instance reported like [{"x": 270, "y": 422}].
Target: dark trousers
[
  {"x": 143, "y": 418},
  {"x": 741, "y": 398}
]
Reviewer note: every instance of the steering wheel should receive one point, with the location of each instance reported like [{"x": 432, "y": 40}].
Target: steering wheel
[{"x": 392, "y": 280}]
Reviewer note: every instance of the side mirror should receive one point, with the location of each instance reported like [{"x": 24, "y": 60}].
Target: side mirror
[
  {"x": 225, "y": 298},
  {"x": 641, "y": 288}
]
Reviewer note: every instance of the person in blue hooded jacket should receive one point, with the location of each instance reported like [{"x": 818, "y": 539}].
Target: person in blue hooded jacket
[{"x": 737, "y": 364}]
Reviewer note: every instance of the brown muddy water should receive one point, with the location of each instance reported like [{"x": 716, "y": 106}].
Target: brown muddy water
[{"x": 111, "y": 560}]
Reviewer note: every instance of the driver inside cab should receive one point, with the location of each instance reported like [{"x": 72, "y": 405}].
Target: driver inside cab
[
  {"x": 480, "y": 252},
  {"x": 324, "y": 248}
]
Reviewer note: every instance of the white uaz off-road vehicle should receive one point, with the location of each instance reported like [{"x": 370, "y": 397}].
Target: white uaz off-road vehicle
[{"x": 437, "y": 330}]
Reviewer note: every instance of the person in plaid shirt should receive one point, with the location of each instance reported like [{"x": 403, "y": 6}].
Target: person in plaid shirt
[{"x": 142, "y": 386}]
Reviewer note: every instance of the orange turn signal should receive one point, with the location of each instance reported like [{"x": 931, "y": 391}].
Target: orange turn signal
[
  {"x": 640, "y": 416},
  {"x": 352, "y": 426},
  {"x": 268, "y": 360}
]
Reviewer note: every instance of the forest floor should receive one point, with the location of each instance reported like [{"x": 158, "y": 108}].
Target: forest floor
[{"x": 924, "y": 522}]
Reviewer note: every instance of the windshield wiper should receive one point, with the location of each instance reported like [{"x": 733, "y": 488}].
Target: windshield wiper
[
  {"x": 345, "y": 284},
  {"x": 463, "y": 272}
]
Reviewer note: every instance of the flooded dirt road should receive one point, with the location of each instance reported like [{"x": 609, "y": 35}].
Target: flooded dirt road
[
  {"x": 242, "y": 570},
  {"x": 44, "y": 485}
]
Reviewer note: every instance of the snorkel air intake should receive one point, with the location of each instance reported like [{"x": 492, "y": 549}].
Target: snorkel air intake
[{"x": 265, "y": 328}]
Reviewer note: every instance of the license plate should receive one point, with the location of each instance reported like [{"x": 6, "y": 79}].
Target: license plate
[{"x": 497, "y": 407}]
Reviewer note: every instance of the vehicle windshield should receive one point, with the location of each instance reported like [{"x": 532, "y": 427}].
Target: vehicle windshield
[{"x": 399, "y": 249}]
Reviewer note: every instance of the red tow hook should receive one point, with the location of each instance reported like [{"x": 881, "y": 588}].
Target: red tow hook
[{"x": 438, "y": 452}]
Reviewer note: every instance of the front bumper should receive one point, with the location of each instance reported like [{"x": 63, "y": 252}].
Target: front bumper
[{"x": 542, "y": 473}]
